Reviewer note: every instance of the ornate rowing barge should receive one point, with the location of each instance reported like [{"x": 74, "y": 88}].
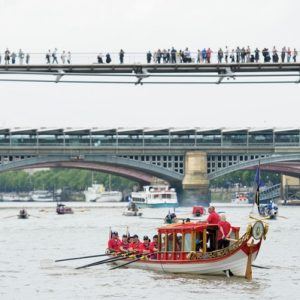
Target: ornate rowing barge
[{"x": 192, "y": 248}]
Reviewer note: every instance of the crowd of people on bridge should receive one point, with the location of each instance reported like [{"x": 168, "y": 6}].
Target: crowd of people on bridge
[{"x": 165, "y": 56}]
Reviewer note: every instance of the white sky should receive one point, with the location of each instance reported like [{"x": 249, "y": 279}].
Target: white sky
[{"x": 140, "y": 25}]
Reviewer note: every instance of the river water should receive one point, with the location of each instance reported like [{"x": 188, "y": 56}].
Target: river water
[{"x": 28, "y": 248}]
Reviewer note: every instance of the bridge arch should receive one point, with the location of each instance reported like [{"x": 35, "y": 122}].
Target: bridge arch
[
  {"x": 137, "y": 170},
  {"x": 264, "y": 162}
]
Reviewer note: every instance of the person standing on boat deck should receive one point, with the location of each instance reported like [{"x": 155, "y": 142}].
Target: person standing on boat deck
[
  {"x": 224, "y": 232},
  {"x": 114, "y": 243},
  {"x": 124, "y": 244},
  {"x": 213, "y": 217}
]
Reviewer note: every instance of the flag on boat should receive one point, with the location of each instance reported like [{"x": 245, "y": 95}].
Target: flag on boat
[{"x": 257, "y": 182}]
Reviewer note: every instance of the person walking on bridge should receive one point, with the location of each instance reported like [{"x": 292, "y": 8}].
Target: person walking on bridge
[
  {"x": 149, "y": 57},
  {"x": 69, "y": 57},
  {"x": 27, "y": 58},
  {"x": 283, "y": 52},
  {"x": 54, "y": 56},
  {"x": 21, "y": 56},
  {"x": 121, "y": 56},
  {"x": 48, "y": 57},
  {"x": 295, "y": 53},
  {"x": 7, "y": 56}
]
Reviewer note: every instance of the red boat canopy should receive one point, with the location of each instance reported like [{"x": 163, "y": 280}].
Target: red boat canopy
[{"x": 189, "y": 227}]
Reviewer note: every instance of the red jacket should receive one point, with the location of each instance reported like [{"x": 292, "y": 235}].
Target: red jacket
[
  {"x": 226, "y": 229},
  {"x": 213, "y": 218},
  {"x": 153, "y": 247},
  {"x": 114, "y": 244},
  {"x": 144, "y": 247}
]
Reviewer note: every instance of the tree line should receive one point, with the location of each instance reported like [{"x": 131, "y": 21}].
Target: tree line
[
  {"x": 79, "y": 180},
  {"x": 53, "y": 179}
]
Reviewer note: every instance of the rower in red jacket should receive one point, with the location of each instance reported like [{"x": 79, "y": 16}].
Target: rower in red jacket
[
  {"x": 114, "y": 243},
  {"x": 144, "y": 247},
  {"x": 124, "y": 244},
  {"x": 134, "y": 244}
]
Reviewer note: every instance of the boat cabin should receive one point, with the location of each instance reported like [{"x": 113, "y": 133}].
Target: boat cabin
[{"x": 177, "y": 241}]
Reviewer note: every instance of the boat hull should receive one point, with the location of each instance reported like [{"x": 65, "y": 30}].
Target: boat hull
[
  {"x": 156, "y": 205},
  {"x": 236, "y": 265}
]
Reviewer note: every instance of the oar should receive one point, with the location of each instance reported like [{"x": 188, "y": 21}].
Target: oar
[
  {"x": 282, "y": 217},
  {"x": 101, "y": 262},
  {"x": 81, "y": 257},
  {"x": 130, "y": 262},
  {"x": 10, "y": 217},
  {"x": 34, "y": 216},
  {"x": 261, "y": 267},
  {"x": 111, "y": 259}
]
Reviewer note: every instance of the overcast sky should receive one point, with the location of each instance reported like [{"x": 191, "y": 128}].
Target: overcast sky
[{"x": 140, "y": 25}]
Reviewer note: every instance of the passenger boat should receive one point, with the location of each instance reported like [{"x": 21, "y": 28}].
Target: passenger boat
[
  {"x": 192, "y": 248},
  {"x": 155, "y": 196},
  {"x": 269, "y": 210},
  {"x": 23, "y": 214},
  {"x": 62, "y": 209}
]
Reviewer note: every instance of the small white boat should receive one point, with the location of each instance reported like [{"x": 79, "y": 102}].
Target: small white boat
[
  {"x": 155, "y": 196},
  {"x": 240, "y": 198}
]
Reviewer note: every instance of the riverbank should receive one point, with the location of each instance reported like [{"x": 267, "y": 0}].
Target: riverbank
[{"x": 4, "y": 205}]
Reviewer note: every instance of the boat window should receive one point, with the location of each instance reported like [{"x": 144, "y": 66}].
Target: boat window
[
  {"x": 170, "y": 242},
  {"x": 187, "y": 242},
  {"x": 199, "y": 241},
  {"x": 178, "y": 242},
  {"x": 163, "y": 243}
]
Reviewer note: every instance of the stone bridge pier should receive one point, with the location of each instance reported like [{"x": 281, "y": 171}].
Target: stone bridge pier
[{"x": 195, "y": 182}]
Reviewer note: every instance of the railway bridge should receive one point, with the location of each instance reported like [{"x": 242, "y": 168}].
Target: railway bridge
[{"x": 187, "y": 158}]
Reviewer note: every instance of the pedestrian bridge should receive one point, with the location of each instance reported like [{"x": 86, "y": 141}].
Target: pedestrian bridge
[
  {"x": 187, "y": 158},
  {"x": 165, "y": 73}
]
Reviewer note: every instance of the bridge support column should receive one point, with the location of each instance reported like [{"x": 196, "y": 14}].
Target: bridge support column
[{"x": 195, "y": 183}]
